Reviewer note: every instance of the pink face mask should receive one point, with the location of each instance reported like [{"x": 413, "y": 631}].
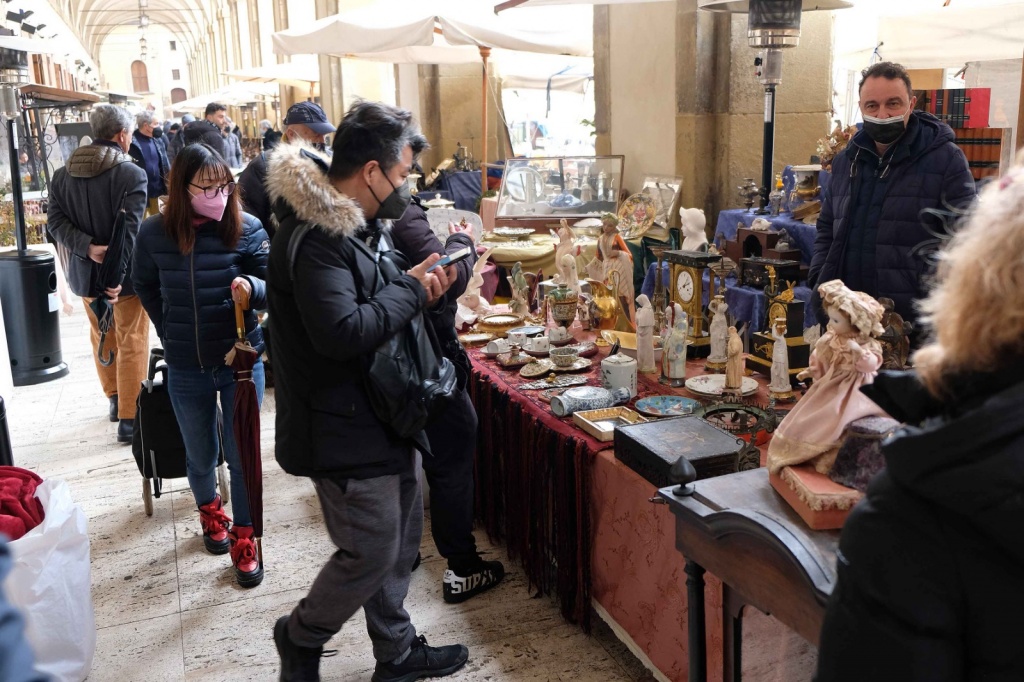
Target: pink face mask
[{"x": 210, "y": 208}]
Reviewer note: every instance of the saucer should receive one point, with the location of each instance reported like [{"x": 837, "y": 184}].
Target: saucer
[
  {"x": 580, "y": 364},
  {"x": 564, "y": 342},
  {"x": 586, "y": 349},
  {"x": 529, "y": 330},
  {"x": 536, "y": 353},
  {"x": 536, "y": 369},
  {"x": 714, "y": 384}
]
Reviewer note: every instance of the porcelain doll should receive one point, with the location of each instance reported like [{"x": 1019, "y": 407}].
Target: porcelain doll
[
  {"x": 566, "y": 246},
  {"x": 520, "y": 291},
  {"x": 734, "y": 361},
  {"x": 780, "y": 386},
  {"x": 692, "y": 223},
  {"x": 613, "y": 256},
  {"x": 673, "y": 355},
  {"x": 645, "y": 335},
  {"x": 846, "y": 357},
  {"x": 719, "y": 331}
]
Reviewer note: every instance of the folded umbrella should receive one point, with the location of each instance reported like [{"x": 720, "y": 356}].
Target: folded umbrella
[{"x": 109, "y": 275}]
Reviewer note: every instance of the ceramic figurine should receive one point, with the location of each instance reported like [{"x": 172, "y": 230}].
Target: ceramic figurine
[
  {"x": 780, "y": 387},
  {"x": 734, "y": 361},
  {"x": 645, "y": 335},
  {"x": 471, "y": 296},
  {"x": 533, "y": 301},
  {"x": 613, "y": 256},
  {"x": 568, "y": 272},
  {"x": 692, "y": 223},
  {"x": 846, "y": 357},
  {"x": 673, "y": 355},
  {"x": 566, "y": 246},
  {"x": 583, "y": 312},
  {"x": 760, "y": 225},
  {"x": 520, "y": 291},
  {"x": 784, "y": 241},
  {"x": 719, "y": 332}
]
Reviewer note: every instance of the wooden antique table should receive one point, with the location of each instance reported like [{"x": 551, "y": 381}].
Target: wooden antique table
[{"x": 742, "y": 531}]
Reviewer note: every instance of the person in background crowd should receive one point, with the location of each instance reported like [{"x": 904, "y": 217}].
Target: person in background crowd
[
  {"x": 875, "y": 216},
  {"x": 85, "y": 196},
  {"x": 235, "y": 130},
  {"x": 234, "y": 157},
  {"x": 179, "y": 140},
  {"x": 210, "y": 129},
  {"x": 930, "y": 561},
  {"x": 325, "y": 326},
  {"x": 305, "y": 122},
  {"x": 16, "y": 659},
  {"x": 27, "y": 172},
  {"x": 191, "y": 263},
  {"x": 264, "y": 128},
  {"x": 150, "y": 156},
  {"x": 452, "y": 434}
]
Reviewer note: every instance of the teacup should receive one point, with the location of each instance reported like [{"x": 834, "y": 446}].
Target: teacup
[
  {"x": 517, "y": 338},
  {"x": 557, "y": 334},
  {"x": 538, "y": 344},
  {"x": 564, "y": 357},
  {"x": 498, "y": 346}
]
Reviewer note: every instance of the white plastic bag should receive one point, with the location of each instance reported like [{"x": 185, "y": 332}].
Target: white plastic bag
[{"x": 50, "y": 583}]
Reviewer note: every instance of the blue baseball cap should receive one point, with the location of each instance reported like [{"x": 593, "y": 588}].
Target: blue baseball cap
[{"x": 310, "y": 115}]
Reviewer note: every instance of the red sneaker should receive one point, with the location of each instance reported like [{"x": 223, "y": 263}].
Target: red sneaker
[
  {"x": 248, "y": 571},
  {"x": 215, "y": 522}
]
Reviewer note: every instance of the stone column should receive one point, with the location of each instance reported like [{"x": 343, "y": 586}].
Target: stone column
[
  {"x": 280, "y": 24},
  {"x": 236, "y": 35},
  {"x": 331, "y": 93},
  {"x": 222, "y": 44},
  {"x": 602, "y": 80},
  {"x": 253, "y": 16}
]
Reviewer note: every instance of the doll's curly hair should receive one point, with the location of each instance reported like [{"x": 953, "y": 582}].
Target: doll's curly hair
[
  {"x": 973, "y": 313},
  {"x": 864, "y": 312}
]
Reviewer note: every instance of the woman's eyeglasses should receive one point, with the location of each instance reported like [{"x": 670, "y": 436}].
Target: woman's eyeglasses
[{"x": 211, "y": 192}]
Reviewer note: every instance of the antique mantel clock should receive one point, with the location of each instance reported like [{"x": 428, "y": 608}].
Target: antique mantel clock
[{"x": 686, "y": 276}]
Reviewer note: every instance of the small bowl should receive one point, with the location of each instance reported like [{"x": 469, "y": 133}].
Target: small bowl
[{"x": 564, "y": 357}]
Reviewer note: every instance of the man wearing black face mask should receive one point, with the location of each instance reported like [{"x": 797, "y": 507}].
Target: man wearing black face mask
[
  {"x": 876, "y": 222},
  {"x": 150, "y": 154},
  {"x": 305, "y": 123},
  {"x": 336, "y": 292}
]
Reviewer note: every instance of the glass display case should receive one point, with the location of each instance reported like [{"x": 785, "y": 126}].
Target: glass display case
[{"x": 551, "y": 188}]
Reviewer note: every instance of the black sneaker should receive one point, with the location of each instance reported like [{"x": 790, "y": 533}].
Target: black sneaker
[
  {"x": 112, "y": 412},
  {"x": 423, "y": 661},
  {"x": 298, "y": 663},
  {"x": 459, "y": 588}
]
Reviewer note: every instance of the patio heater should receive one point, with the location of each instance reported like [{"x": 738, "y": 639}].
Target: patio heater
[
  {"x": 773, "y": 25},
  {"x": 28, "y": 279}
]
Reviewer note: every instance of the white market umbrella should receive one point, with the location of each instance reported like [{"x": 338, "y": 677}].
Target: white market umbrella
[
  {"x": 235, "y": 94},
  {"x": 447, "y": 32},
  {"x": 296, "y": 73}
]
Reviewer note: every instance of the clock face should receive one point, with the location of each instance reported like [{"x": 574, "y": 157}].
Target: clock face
[{"x": 684, "y": 286}]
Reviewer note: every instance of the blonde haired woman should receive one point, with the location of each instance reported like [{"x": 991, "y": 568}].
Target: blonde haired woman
[{"x": 931, "y": 562}]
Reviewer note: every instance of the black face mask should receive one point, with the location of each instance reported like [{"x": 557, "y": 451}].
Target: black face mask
[
  {"x": 158, "y": 132},
  {"x": 394, "y": 205},
  {"x": 884, "y": 130}
]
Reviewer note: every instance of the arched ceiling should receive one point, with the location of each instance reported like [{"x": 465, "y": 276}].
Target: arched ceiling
[{"x": 94, "y": 20}]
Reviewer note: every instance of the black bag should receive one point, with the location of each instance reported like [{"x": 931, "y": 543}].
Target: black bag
[{"x": 407, "y": 383}]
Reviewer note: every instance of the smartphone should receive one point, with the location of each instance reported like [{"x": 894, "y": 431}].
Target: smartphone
[{"x": 449, "y": 258}]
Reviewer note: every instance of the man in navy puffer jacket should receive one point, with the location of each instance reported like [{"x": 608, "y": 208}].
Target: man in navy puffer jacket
[{"x": 876, "y": 227}]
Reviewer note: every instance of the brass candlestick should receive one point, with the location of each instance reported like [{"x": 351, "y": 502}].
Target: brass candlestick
[{"x": 659, "y": 288}]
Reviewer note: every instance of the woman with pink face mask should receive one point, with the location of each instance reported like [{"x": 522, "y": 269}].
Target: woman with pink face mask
[{"x": 190, "y": 263}]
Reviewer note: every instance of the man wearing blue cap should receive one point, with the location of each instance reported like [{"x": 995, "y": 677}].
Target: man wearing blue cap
[{"x": 304, "y": 122}]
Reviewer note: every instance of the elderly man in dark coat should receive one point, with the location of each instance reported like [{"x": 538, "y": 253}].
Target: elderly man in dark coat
[{"x": 85, "y": 196}]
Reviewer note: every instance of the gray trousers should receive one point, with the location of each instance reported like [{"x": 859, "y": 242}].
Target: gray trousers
[{"x": 376, "y": 525}]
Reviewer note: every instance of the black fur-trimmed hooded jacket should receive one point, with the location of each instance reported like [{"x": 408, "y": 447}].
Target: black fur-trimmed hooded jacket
[{"x": 323, "y": 327}]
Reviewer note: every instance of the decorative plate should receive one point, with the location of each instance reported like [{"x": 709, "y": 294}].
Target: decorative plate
[
  {"x": 564, "y": 381},
  {"x": 537, "y": 369},
  {"x": 636, "y": 215},
  {"x": 529, "y": 330},
  {"x": 666, "y": 406},
  {"x": 586, "y": 349},
  {"x": 579, "y": 365},
  {"x": 513, "y": 233},
  {"x": 714, "y": 384},
  {"x": 499, "y": 323},
  {"x": 475, "y": 338}
]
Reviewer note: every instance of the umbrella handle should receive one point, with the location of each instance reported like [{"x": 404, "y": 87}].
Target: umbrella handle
[
  {"x": 241, "y": 306},
  {"x": 99, "y": 352}
]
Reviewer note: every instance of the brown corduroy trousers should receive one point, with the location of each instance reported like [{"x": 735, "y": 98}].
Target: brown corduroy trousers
[{"x": 128, "y": 337}]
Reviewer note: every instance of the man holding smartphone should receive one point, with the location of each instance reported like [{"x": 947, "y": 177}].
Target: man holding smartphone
[{"x": 452, "y": 434}]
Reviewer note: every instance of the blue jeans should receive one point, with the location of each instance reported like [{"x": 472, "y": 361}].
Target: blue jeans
[{"x": 193, "y": 394}]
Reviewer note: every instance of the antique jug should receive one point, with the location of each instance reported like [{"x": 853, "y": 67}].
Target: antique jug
[
  {"x": 586, "y": 398},
  {"x": 619, "y": 371},
  {"x": 562, "y": 302},
  {"x": 606, "y": 303}
]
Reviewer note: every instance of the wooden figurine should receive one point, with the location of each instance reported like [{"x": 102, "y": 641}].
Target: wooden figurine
[
  {"x": 692, "y": 223},
  {"x": 734, "y": 361},
  {"x": 645, "y": 335},
  {"x": 846, "y": 357}
]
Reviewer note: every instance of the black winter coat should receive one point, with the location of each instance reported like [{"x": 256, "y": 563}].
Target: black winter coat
[
  {"x": 254, "y": 193},
  {"x": 323, "y": 328},
  {"x": 931, "y": 562},
  {"x": 207, "y": 133},
  {"x": 188, "y": 298},
  {"x": 927, "y": 171},
  {"x": 155, "y": 186}
]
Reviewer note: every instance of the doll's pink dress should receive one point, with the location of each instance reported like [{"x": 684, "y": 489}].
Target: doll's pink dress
[{"x": 812, "y": 429}]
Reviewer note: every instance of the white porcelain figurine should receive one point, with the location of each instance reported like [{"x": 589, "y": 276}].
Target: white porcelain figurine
[
  {"x": 780, "y": 386},
  {"x": 673, "y": 357},
  {"x": 693, "y": 222},
  {"x": 645, "y": 335},
  {"x": 566, "y": 246},
  {"x": 719, "y": 331}
]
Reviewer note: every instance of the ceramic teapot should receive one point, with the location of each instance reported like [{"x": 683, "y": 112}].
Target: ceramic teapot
[{"x": 619, "y": 371}]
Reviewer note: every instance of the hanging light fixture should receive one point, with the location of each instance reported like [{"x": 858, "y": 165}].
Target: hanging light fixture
[
  {"x": 772, "y": 25},
  {"x": 143, "y": 20},
  {"x": 143, "y": 4},
  {"x": 142, "y": 43}
]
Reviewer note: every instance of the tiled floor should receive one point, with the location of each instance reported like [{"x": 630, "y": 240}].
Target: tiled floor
[{"x": 167, "y": 610}]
